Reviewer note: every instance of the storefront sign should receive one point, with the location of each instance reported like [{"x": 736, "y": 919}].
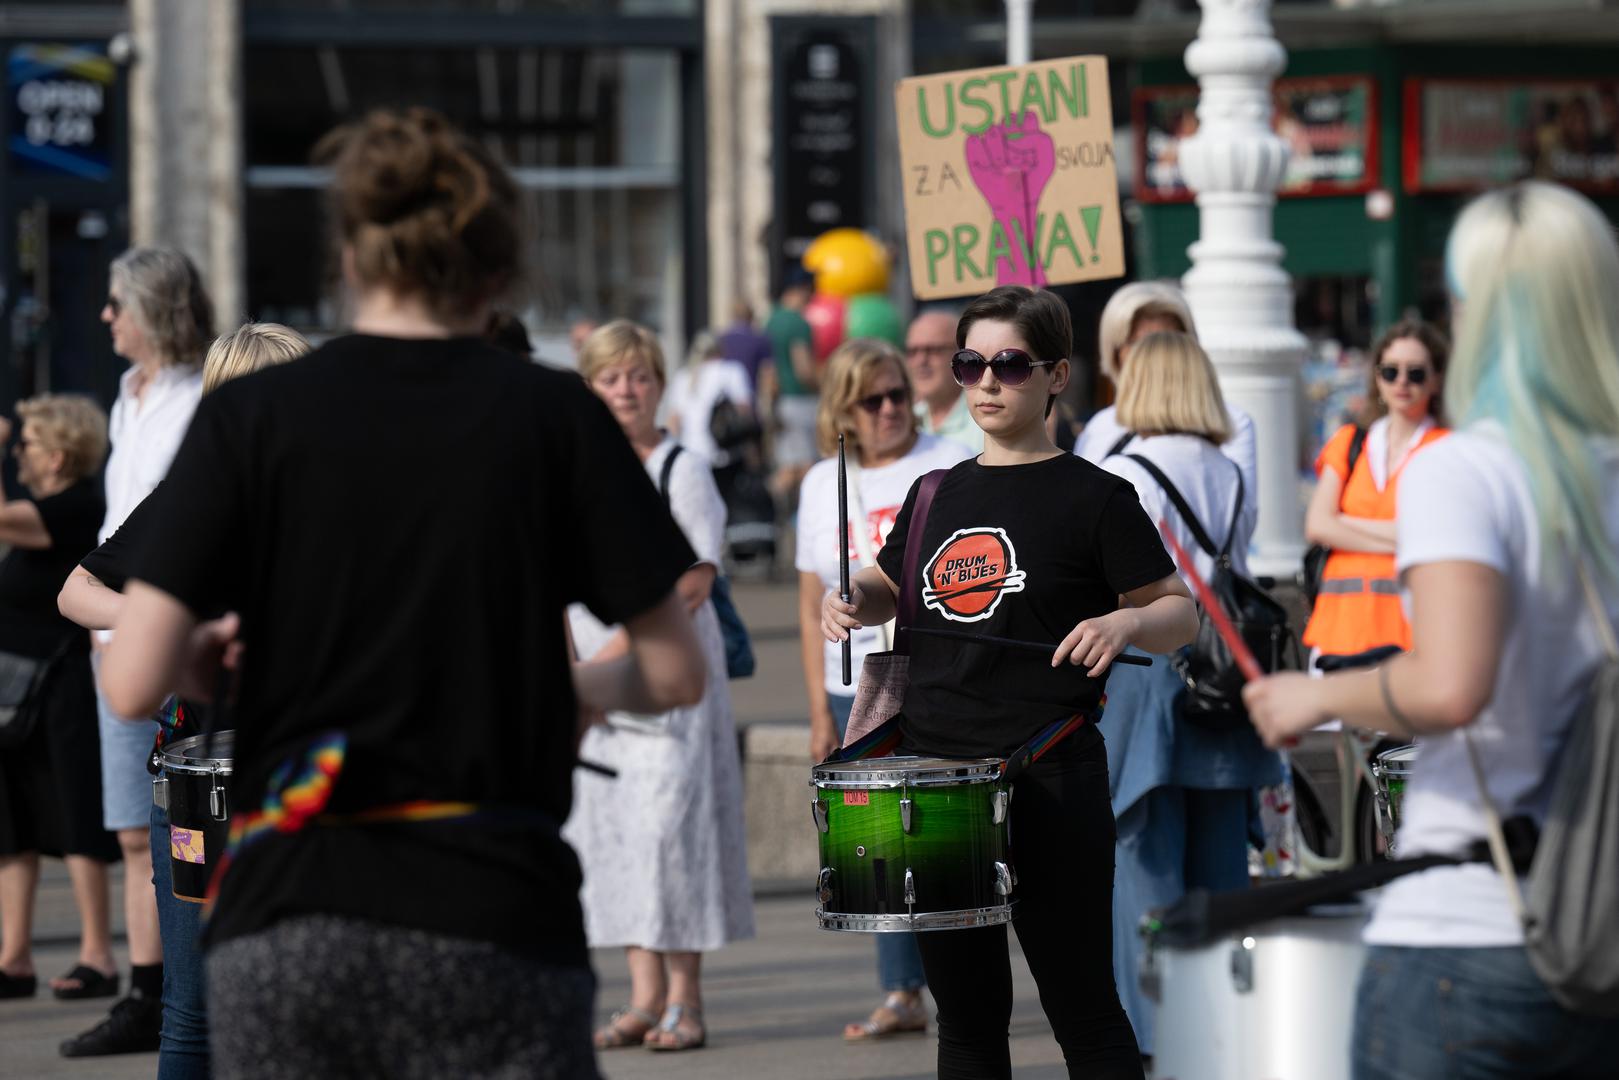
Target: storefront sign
[
  {"x": 1330, "y": 125},
  {"x": 1465, "y": 134},
  {"x": 60, "y": 112},
  {"x": 824, "y": 100},
  {"x": 1009, "y": 177}
]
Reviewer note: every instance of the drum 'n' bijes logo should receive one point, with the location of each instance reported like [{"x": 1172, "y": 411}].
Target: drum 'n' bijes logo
[{"x": 968, "y": 575}]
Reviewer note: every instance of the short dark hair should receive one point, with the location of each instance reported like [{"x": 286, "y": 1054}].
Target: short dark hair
[{"x": 1040, "y": 318}]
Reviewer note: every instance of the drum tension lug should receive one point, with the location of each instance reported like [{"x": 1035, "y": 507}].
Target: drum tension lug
[
  {"x": 1242, "y": 966},
  {"x": 905, "y": 814},
  {"x": 217, "y": 802},
  {"x": 1000, "y": 802},
  {"x": 818, "y": 812},
  {"x": 823, "y": 886},
  {"x": 1003, "y": 879},
  {"x": 910, "y": 893}
]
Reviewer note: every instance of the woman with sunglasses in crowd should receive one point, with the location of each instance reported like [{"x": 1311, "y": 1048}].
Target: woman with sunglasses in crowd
[
  {"x": 865, "y": 397},
  {"x": 1357, "y": 608},
  {"x": 1069, "y": 541}
]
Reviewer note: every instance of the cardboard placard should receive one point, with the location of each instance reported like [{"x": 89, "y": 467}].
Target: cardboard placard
[{"x": 1009, "y": 177}]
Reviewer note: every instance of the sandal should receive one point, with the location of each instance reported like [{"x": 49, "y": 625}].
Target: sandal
[
  {"x": 17, "y": 986},
  {"x": 680, "y": 1038},
  {"x": 92, "y": 984},
  {"x": 614, "y": 1035},
  {"x": 895, "y": 1016}
]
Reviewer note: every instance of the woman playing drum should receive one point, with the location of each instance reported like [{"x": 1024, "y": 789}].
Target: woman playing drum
[
  {"x": 1497, "y": 524},
  {"x": 1027, "y": 542}
]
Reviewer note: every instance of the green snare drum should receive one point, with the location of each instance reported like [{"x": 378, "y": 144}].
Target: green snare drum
[
  {"x": 1390, "y": 772},
  {"x": 912, "y": 843}
]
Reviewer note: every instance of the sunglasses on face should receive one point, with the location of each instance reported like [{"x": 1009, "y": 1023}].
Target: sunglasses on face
[
  {"x": 1012, "y": 366},
  {"x": 873, "y": 403},
  {"x": 1390, "y": 373}
]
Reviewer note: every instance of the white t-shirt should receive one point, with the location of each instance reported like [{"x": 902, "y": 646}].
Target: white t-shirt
[
  {"x": 145, "y": 436},
  {"x": 692, "y": 396},
  {"x": 1103, "y": 431},
  {"x": 1467, "y": 499},
  {"x": 1377, "y": 449},
  {"x": 1206, "y": 479},
  {"x": 879, "y": 493}
]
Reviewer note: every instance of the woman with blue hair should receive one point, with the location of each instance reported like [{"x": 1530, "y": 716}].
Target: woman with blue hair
[{"x": 1506, "y": 555}]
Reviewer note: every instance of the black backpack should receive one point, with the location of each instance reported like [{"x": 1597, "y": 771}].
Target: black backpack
[{"x": 1213, "y": 697}]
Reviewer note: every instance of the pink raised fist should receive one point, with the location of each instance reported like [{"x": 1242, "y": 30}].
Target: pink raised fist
[{"x": 1011, "y": 163}]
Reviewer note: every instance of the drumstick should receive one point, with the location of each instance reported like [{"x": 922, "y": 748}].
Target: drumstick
[
  {"x": 843, "y": 556},
  {"x": 1211, "y": 603},
  {"x": 1013, "y": 643}
]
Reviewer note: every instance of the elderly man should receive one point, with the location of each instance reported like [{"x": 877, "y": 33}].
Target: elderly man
[{"x": 942, "y": 407}]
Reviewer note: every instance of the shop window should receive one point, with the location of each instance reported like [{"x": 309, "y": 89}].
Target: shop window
[{"x": 593, "y": 138}]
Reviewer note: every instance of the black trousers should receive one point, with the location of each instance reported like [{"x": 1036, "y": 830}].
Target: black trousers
[{"x": 1062, "y": 848}]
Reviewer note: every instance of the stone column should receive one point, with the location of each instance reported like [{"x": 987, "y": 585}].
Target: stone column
[
  {"x": 185, "y": 133},
  {"x": 1239, "y": 294}
]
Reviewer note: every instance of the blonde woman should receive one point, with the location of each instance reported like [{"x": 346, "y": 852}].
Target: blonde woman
[
  {"x": 1133, "y": 312},
  {"x": 1180, "y": 793},
  {"x": 1496, "y": 525},
  {"x": 50, "y": 785},
  {"x": 93, "y": 598},
  {"x": 662, "y": 846},
  {"x": 866, "y": 397}
]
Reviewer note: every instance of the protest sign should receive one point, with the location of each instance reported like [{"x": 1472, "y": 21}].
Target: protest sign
[{"x": 1009, "y": 177}]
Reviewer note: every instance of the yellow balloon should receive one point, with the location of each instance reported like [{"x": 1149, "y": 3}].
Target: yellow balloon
[{"x": 847, "y": 262}]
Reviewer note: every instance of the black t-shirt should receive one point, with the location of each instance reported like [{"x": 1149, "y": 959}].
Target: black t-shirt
[
  {"x": 1015, "y": 551},
  {"x": 400, "y": 525},
  {"x": 30, "y": 624}
]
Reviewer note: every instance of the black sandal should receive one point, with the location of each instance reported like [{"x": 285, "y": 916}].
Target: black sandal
[
  {"x": 17, "y": 986},
  {"x": 92, "y": 984}
]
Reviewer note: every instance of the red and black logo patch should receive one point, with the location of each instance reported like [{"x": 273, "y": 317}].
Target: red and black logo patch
[{"x": 968, "y": 575}]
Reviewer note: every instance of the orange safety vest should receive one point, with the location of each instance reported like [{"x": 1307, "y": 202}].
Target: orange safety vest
[{"x": 1358, "y": 607}]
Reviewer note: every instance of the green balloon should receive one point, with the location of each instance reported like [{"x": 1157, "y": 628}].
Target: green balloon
[{"x": 873, "y": 315}]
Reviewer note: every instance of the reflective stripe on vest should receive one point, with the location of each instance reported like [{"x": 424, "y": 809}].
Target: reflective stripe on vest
[{"x": 1349, "y": 586}]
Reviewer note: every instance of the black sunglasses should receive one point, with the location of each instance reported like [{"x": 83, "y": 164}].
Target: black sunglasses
[
  {"x": 873, "y": 403},
  {"x": 1390, "y": 373},
  {"x": 1012, "y": 366}
]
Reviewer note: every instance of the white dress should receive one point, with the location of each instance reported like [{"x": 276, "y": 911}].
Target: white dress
[{"x": 663, "y": 846}]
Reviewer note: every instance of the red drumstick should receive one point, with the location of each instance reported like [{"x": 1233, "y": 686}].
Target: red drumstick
[{"x": 1211, "y": 603}]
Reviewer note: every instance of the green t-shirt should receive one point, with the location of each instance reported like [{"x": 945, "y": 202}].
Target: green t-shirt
[{"x": 785, "y": 328}]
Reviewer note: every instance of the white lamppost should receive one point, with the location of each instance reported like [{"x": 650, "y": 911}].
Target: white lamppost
[
  {"x": 1238, "y": 292},
  {"x": 1017, "y": 31}
]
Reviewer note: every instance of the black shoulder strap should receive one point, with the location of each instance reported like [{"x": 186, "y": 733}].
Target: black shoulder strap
[
  {"x": 1198, "y": 533},
  {"x": 1124, "y": 440},
  {"x": 668, "y": 467},
  {"x": 1357, "y": 443}
]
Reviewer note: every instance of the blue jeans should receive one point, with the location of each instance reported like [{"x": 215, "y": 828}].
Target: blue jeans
[
  {"x": 899, "y": 964},
  {"x": 183, "y": 1053},
  {"x": 1470, "y": 1014}
]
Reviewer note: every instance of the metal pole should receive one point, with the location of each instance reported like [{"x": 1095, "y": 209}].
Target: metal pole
[{"x": 1017, "y": 31}]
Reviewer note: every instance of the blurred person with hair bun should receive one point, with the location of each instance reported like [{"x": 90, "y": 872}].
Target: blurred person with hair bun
[
  {"x": 50, "y": 783},
  {"x": 93, "y": 598},
  {"x": 395, "y": 562}
]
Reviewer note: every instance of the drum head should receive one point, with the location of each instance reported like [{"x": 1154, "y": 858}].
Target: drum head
[
  {"x": 200, "y": 753},
  {"x": 887, "y": 772},
  {"x": 1399, "y": 761}
]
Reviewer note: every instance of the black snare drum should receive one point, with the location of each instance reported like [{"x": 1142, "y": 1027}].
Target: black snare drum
[{"x": 194, "y": 787}]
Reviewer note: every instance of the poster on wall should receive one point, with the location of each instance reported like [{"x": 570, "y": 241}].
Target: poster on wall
[
  {"x": 1466, "y": 134},
  {"x": 1330, "y": 125},
  {"x": 1009, "y": 177},
  {"x": 59, "y": 120},
  {"x": 824, "y": 96}
]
